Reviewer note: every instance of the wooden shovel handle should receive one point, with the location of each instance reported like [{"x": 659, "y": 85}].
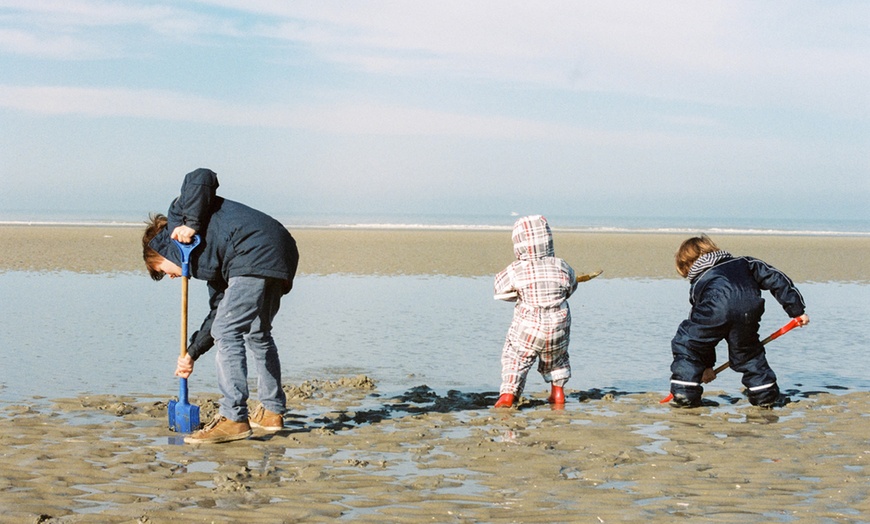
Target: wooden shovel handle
[
  {"x": 184, "y": 283},
  {"x": 185, "y": 250},
  {"x": 589, "y": 276}
]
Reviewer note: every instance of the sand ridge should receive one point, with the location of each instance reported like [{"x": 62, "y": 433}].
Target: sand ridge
[{"x": 100, "y": 249}]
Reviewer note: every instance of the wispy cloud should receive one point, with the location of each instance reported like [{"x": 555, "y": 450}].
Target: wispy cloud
[
  {"x": 715, "y": 52},
  {"x": 62, "y": 47},
  {"x": 802, "y": 55},
  {"x": 798, "y": 56},
  {"x": 342, "y": 118},
  {"x": 41, "y": 14},
  {"x": 96, "y": 29}
]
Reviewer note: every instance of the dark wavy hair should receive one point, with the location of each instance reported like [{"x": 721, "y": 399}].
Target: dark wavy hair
[{"x": 153, "y": 226}]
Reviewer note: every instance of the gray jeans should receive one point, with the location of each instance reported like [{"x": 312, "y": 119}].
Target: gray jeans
[{"x": 244, "y": 316}]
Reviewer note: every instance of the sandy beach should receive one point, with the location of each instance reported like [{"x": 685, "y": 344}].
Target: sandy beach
[
  {"x": 447, "y": 252},
  {"x": 350, "y": 452},
  {"x": 420, "y": 457}
]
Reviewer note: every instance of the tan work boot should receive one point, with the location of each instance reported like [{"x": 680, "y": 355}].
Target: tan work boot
[
  {"x": 221, "y": 429},
  {"x": 267, "y": 420}
]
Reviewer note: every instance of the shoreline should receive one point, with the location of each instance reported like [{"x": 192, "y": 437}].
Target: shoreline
[
  {"x": 388, "y": 226},
  {"x": 465, "y": 253}
]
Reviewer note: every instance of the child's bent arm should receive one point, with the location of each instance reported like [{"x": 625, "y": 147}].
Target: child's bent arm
[
  {"x": 198, "y": 195},
  {"x": 780, "y": 286},
  {"x": 504, "y": 285}
]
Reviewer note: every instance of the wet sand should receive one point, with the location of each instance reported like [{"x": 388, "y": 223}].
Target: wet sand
[
  {"x": 420, "y": 457},
  {"x": 350, "y": 453}
]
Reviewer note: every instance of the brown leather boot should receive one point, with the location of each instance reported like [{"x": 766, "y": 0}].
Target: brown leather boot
[
  {"x": 221, "y": 429},
  {"x": 506, "y": 400},
  {"x": 267, "y": 420}
]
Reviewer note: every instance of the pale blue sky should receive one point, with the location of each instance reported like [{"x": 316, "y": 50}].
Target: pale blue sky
[{"x": 662, "y": 108}]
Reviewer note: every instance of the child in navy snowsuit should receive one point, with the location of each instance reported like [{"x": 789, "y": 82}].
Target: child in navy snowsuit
[
  {"x": 726, "y": 304},
  {"x": 540, "y": 284}
]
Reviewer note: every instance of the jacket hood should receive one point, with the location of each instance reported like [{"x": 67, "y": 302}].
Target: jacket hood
[
  {"x": 532, "y": 238},
  {"x": 163, "y": 244}
]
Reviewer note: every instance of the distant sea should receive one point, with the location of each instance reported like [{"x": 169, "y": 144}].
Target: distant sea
[{"x": 614, "y": 224}]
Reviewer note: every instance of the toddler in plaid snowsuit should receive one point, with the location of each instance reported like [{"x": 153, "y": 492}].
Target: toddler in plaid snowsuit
[{"x": 540, "y": 283}]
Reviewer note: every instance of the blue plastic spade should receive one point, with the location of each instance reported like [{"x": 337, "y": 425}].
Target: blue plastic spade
[{"x": 183, "y": 416}]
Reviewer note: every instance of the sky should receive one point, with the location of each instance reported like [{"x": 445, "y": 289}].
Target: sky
[{"x": 598, "y": 108}]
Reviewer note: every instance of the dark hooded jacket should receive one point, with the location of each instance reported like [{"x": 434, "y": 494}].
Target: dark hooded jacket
[{"x": 236, "y": 240}]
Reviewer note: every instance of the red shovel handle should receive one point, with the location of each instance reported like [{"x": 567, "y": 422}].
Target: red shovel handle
[{"x": 793, "y": 323}]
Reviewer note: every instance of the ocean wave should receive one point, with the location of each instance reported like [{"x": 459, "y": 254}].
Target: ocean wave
[
  {"x": 422, "y": 226},
  {"x": 72, "y": 223},
  {"x": 715, "y": 231},
  {"x": 589, "y": 229}
]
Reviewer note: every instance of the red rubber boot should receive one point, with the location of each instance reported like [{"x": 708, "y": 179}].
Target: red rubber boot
[
  {"x": 557, "y": 396},
  {"x": 506, "y": 400}
]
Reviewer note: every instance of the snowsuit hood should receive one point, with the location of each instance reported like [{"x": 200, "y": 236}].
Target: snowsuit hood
[{"x": 532, "y": 238}]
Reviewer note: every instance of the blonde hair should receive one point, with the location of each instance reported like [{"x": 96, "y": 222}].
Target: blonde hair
[
  {"x": 690, "y": 250},
  {"x": 155, "y": 224}
]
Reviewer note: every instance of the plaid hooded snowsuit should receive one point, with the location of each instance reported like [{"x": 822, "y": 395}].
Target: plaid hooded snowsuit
[{"x": 540, "y": 283}]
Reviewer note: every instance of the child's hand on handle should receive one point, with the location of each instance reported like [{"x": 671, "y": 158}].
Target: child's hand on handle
[
  {"x": 803, "y": 320},
  {"x": 184, "y": 367},
  {"x": 708, "y": 376},
  {"x": 183, "y": 234}
]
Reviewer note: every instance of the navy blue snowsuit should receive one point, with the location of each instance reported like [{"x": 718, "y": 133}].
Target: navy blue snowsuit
[{"x": 727, "y": 304}]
